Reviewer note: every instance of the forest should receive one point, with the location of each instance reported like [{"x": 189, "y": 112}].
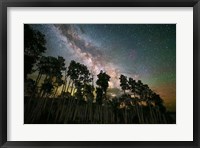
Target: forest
[{"x": 60, "y": 93}]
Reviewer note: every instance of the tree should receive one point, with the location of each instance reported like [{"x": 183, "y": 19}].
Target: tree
[
  {"x": 157, "y": 100},
  {"x": 88, "y": 92},
  {"x": 51, "y": 66},
  {"x": 56, "y": 84},
  {"x": 99, "y": 95},
  {"x": 59, "y": 82},
  {"x": 102, "y": 81},
  {"x": 132, "y": 85},
  {"x": 73, "y": 73},
  {"x": 79, "y": 75},
  {"x": 78, "y": 93},
  {"x": 124, "y": 83},
  {"x": 58, "y": 67},
  {"x": 46, "y": 88},
  {"x": 139, "y": 88},
  {"x": 29, "y": 87},
  {"x": 145, "y": 89},
  {"x": 34, "y": 46}
]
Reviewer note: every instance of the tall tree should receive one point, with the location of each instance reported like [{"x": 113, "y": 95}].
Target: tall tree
[
  {"x": 78, "y": 93},
  {"x": 79, "y": 75},
  {"x": 102, "y": 82},
  {"x": 124, "y": 83},
  {"x": 46, "y": 88},
  {"x": 72, "y": 73},
  {"x": 29, "y": 86},
  {"x": 34, "y": 46},
  {"x": 132, "y": 85},
  {"x": 139, "y": 87},
  {"x": 99, "y": 95},
  {"x": 59, "y": 82},
  {"x": 51, "y": 67},
  {"x": 88, "y": 92},
  {"x": 145, "y": 91}
]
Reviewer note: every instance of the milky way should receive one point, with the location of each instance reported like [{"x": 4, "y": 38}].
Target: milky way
[{"x": 141, "y": 51}]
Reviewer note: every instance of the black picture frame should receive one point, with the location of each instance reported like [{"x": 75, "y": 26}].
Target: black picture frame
[{"x": 99, "y": 3}]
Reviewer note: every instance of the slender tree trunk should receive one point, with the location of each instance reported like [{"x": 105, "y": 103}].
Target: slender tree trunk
[
  {"x": 33, "y": 93},
  {"x": 65, "y": 82},
  {"x": 69, "y": 85},
  {"x": 72, "y": 88},
  {"x": 46, "y": 100},
  {"x": 55, "y": 92},
  {"x": 63, "y": 88},
  {"x": 74, "y": 91},
  {"x": 52, "y": 103},
  {"x": 38, "y": 79},
  {"x": 151, "y": 114}
]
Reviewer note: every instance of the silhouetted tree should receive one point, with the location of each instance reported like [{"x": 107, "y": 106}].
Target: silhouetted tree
[
  {"x": 85, "y": 78},
  {"x": 124, "y": 83},
  {"x": 139, "y": 88},
  {"x": 29, "y": 86},
  {"x": 99, "y": 95},
  {"x": 157, "y": 100},
  {"x": 102, "y": 81},
  {"x": 79, "y": 93},
  {"x": 46, "y": 88},
  {"x": 72, "y": 73},
  {"x": 132, "y": 85},
  {"x": 34, "y": 46},
  {"x": 51, "y": 67},
  {"x": 59, "y": 82},
  {"x": 88, "y": 92},
  {"x": 145, "y": 89},
  {"x": 79, "y": 76}
]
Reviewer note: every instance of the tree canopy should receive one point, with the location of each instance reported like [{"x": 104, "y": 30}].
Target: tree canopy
[{"x": 34, "y": 46}]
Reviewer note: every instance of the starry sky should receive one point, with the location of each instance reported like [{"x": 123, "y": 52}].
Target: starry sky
[{"x": 144, "y": 52}]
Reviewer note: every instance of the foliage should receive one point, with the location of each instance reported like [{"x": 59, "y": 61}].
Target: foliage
[
  {"x": 124, "y": 83},
  {"x": 34, "y": 46}
]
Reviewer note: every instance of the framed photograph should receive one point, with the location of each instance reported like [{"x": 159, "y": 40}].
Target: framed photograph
[{"x": 106, "y": 73}]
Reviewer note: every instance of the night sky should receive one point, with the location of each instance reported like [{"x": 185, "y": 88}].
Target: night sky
[{"x": 141, "y": 51}]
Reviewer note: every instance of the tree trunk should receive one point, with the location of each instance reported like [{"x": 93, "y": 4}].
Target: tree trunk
[
  {"x": 52, "y": 103},
  {"x": 38, "y": 79},
  {"x": 33, "y": 93},
  {"x": 72, "y": 88},
  {"x": 68, "y": 85}
]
